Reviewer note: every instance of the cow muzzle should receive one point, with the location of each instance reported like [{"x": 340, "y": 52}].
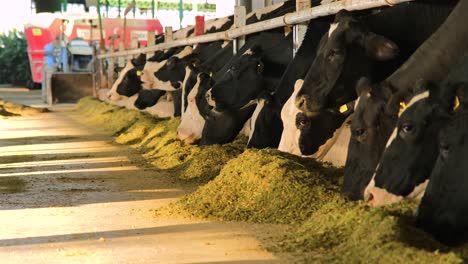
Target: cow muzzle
[
  {"x": 113, "y": 96},
  {"x": 186, "y": 136},
  {"x": 376, "y": 196}
]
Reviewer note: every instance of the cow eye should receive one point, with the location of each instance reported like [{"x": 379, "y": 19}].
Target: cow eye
[
  {"x": 333, "y": 53},
  {"x": 407, "y": 128},
  {"x": 359, "y": 132},
  {"x": 302, "y": 123}
]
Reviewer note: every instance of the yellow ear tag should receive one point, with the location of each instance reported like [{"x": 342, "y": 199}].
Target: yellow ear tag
[
  {"x": 456, "y": 103},
  {"x": 139, "y": 73},
  {"x": 343, "y": 108},
  {"x": 211, "y": 74},
  {"x": 402, "y": 106}
]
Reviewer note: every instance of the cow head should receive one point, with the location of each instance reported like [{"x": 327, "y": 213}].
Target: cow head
[
  {"x": 345, "y": 54},
  {"x": 376, "y": 112},
  {"x": 191, "y": 125},
  {"x": 223, "y": 127},
  {"x": 305, "y": 133},
  {"x": 266, "y": 126},
  {"x": 411, "y": 151},
  {"x": 128, "y": 83},
  {"x": 147, "y": 98},
  {"x": 443, "y": 210},
  {"x": 191, "y": 78},
  {"x": 147, "y": 75},
  {"x": 241, "y": 83},
  {"x": 172, "y": 73}
]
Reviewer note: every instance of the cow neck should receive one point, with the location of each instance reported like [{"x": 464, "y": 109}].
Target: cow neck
[{"x": 438, "y": 52}]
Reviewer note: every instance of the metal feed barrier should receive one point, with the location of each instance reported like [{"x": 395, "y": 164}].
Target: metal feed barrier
[{"x": 303, "y": 14}]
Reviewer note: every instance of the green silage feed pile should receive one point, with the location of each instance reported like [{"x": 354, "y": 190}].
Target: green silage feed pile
[
  {"x": 267, "y": 186},
  {"x": 157, "y": 140},
  {"x": 8, "y": 109}
]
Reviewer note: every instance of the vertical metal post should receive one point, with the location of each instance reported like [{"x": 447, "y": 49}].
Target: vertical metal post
[
  {"x": 121, "y": 60},
  {"x": 151, "y": 39},
  {"x": 299, "y": 30},
  {"x": 168, "y": 34},
  {"x": 246, "y": 3},
  {"x": 111, "y": 66},
  {"x": 152, "y": 9},
  {"x": 119, "y": 4},
  {"x": 101, "y": 33},
  {"x": 239, "y": 21}
]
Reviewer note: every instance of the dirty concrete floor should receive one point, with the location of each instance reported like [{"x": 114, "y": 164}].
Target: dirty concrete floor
[{"x": 69, "y": 195}]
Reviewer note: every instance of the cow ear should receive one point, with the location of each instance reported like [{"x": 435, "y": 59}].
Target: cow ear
[
  {"x": 172, "y": 62},
  {"x": 257, "y": 51},
  {"x": 395, "y": 103},
  {"x": 363, "y": 85},
  {"x": 379, "y": 47},
  {"x": 424, "y": 85},
  {"x": 342, "y": 14},
  {"x": 456, "y": 95},
  {"x": 140, "y": 60}
]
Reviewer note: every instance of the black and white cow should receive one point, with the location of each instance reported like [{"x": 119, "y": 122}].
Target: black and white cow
[
  {"x": 256, "y": 69},
  {"x": 353, "y": 48},
  {"x": 266, "y": 121},
  {"x": 128, "y": 83},
  {"x": 443, "y": 211},
  {"x": 412, "y": 149},
  {"x": 376, "y": 112},
  {"x": 314, "y": 131},
  {"x": 200, "y": 108}
]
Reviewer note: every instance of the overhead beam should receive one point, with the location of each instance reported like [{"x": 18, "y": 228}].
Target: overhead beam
[{"x": 288, "y": 19}]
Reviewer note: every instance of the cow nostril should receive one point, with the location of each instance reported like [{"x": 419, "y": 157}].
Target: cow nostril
[
  {"x": 368, "y": 197},
  {"x": 301, "y": 101}
]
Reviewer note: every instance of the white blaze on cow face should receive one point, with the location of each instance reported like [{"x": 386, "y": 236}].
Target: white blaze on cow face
[
  {"x": 413, "y": 100},
  {"x": 112, "y": 93},
  {"x": 209, "y": 98},
  {"x": 333, "y": 27},
  {"x": 247, "y": 128},
  {"x": 184, "y": 83},
  {"x": 290, "y": 137},
  {"x": 191, "y": 126},
  {"x": 147, "y": 76},
  {"x": 253, "y": 119}
]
